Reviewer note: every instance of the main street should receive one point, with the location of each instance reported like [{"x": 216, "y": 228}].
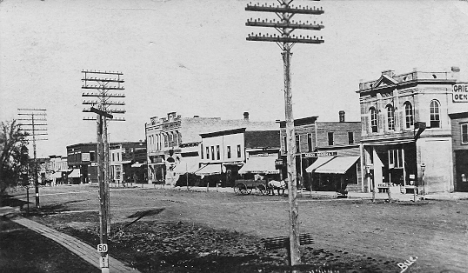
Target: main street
[{"x": 433, "y": 231}]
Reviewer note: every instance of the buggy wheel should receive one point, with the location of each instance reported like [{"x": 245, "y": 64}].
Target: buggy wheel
[
  {"x": 243, "y": 188},
  {"x": 236, "y": 189},
  {"x": 262, "y": 189}
]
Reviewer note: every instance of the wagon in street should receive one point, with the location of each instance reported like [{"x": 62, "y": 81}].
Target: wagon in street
[{"x": 247, "y": 186}]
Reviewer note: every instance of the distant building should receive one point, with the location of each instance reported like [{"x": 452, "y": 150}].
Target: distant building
[
  {"x": 170, "y": 137},
  {"x": 125, "y": 159},
  {"x": 82, "y": 160},
  {"x": 327, "y": 153},
  {"x": 414, "y": 131},
  {"x": 128, "y": 162},
  {"x": 225, "y": 153}
]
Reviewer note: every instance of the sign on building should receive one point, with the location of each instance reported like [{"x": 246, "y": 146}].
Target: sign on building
[
  {"x": 460, "y": 92},
  {"x": 319, "y": 154}
]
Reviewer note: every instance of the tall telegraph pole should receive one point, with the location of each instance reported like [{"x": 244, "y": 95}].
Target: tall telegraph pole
[
  {"x": 101, "y": 86},
  {"x": 284, "y": 10},
  {"x": 33, "y": 122}
]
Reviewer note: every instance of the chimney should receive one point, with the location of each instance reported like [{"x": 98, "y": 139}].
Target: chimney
[
  {"x": 455, "y": 72},
  {"x": 342, "y": 116},
  {"x": 246, "y": 115}
]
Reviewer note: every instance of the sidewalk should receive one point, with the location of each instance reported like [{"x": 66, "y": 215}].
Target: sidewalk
[
  {"x": 84, "y": 251},
  {"x": 301, "y": 193}
]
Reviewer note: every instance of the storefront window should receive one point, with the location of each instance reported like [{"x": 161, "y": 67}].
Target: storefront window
[{"x": 395, "y": 158}]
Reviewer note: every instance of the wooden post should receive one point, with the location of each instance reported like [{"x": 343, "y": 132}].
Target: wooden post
[
  {"x": 295, "y": 256},
  {"x": 104, "y": 260},
  {"x": 106, "y": 173}
]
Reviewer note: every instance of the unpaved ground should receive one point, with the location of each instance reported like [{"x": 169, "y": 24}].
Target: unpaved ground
[{"x": 383, "y": 233}]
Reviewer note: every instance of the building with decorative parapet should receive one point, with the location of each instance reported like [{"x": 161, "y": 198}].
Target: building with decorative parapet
[
  {"x": 408, "y": 131},
  {"x": 174, "y": 133}
]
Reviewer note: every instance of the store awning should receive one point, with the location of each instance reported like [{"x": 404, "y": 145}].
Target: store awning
[
  {"x": 75, "y": 174},
  {"x": 260, "y": 164},
  {"x": 57, "y": 175},
  {"x": 319, "y": 162},
  {"x": 338, "y": 165},
  {"x": 184, "y": 167},
  {"x": 211, "y": 169}
]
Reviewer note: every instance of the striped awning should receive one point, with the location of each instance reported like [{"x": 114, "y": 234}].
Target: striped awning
[
  {"x": 319, "y": 162},
  {"x": 338, "y": 165},
  {"x": 260, "y": 164}
]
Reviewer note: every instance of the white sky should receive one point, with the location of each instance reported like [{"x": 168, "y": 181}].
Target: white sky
[{"x": 191, "y": 56}]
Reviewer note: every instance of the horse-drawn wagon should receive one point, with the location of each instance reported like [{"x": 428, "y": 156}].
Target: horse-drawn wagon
[{"x": 247, "y": 186}]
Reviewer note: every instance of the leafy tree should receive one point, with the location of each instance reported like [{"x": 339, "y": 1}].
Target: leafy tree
[{"x": 12, "y": 141}]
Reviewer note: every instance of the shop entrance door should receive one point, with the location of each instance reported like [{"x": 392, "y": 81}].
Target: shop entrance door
[{"x": 461, "y": 162}]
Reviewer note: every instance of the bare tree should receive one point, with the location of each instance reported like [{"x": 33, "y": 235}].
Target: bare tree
[{"x": 11, "y": 142}]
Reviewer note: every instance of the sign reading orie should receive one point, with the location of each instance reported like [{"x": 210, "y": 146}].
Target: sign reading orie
[{"x": 460, "y": 93}]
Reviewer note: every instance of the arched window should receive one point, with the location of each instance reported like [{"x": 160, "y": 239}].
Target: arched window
[
  {"x": 435, "y": 114},
  {"x": 391, "y": 117},
  {"x": 409, "y": 120},
  {"x": 373, "y": 119}
]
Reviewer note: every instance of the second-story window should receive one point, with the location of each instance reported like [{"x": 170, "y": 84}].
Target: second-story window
[
  {"x": 207, "y": 152},
  {"x": 298, "y": 143},
  {"x": 435, "y": 114},
  {"x": 228, "y": 151},
  {"x": 309, "y": 142},
  {"x": 239, "y": 151},
  {"x": 212, "y": 153},
  {"x": 409, "y": 120},
  {"x": 373, "y": 119},
  {"x": 217, "y": 153},
  {"x": 350, "y": 137},
  {"x": 285, "y": 141},
  {"x": 331, "y": 139},
  {"x": 464, "y": 133},
  {"x": 391, "y": 118}
]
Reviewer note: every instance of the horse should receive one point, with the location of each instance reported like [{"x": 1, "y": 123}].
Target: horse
[{"x": 278, "y": 185}]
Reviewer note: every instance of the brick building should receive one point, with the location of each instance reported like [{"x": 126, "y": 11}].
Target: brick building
[
  {"x": 327, "y": 153},
  {"x": 181, "y": 135},
  {"x": 412, "y": 131},
  {"x": 82, "y": 158}
]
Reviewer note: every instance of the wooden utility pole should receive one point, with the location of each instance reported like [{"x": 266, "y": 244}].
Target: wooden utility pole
[
  {"x": 104, "y": 112},
  {"x": 34, "y": 129},
  {"x": 285, "y": 26}
]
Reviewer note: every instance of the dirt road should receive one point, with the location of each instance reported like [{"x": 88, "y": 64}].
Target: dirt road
[{"x": 436, "y": 232}]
